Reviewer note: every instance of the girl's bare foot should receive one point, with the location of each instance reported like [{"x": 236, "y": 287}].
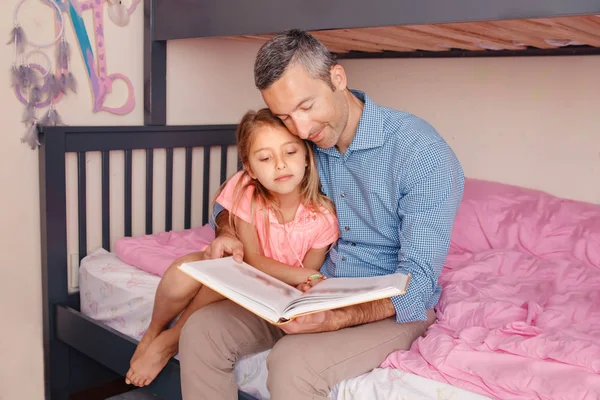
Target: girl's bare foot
[
  {"x": 148, "y": 364},
  {"x": 141, "y": 348}
]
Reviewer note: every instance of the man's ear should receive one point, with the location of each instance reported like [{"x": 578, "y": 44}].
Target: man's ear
[{"x": 338, "y": 77}]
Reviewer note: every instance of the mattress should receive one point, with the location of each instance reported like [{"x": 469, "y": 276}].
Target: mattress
[{"x": 122, "y": 296}]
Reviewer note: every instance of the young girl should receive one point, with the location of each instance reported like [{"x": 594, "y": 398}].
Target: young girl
[{"x": 279, "y": 214}]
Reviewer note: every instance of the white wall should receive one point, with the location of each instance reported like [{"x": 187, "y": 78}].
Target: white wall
[
  {"x": 542, "y": 111},
  {"x": 533, "y": 122},
  {"x": 211, "y": 67}
]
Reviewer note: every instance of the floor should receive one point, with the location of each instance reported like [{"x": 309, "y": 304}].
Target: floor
[
  {"x": 113, "y": 390},
  {"x": 138, "y": 394}
]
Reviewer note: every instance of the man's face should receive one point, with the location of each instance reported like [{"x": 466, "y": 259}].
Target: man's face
[{"x": 308, "y": 107}]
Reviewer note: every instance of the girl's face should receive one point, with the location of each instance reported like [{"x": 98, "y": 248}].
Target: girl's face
[{"x": 277, "y": 159}]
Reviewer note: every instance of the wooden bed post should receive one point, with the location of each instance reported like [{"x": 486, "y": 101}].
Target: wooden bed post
[
  {"x": 54, "y": 259},
  {"x": 155, "y": 71},
  {"x": 65, "y": 369}
]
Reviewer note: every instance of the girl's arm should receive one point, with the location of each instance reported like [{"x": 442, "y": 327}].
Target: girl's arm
[
  {"x": 314, "y": 258},
  {"x": 286, "y": 273}
]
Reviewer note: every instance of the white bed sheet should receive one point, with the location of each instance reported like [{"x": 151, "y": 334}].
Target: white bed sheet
[{"x": 122, "y": 297}]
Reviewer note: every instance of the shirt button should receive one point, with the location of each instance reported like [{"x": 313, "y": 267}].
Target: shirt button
[
  {"x": 343, "y": 258},
  {"x": 346, "y": 228},
  {"x": 342, "y": 195}
]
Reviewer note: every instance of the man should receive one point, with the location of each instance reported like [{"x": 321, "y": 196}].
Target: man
[{"x": 396, "y": 185}]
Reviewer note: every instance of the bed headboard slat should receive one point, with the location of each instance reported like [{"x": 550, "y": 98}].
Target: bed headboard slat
[
  {"x": 187, "y": 212},
  {"x": 106, "y": 199},
  {"x": 223, "y": 163},
  {"x": 205, "y": 185},
  {"x": 128, "y": 195},
  {"x": 81, "y": 204},
  {"x": 169, "y": 191},
  {"x": 149, "y": 188}
]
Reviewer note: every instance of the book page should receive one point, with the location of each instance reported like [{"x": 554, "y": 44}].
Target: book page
[
  {"x": 339, "y": 292},
  {"x": 243, "y": 284}
]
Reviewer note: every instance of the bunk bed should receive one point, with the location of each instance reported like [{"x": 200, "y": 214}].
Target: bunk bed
[{"x": 80, "y": 351}]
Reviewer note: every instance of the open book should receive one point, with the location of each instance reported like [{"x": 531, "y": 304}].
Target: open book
[{"x": 278, "y": 302}]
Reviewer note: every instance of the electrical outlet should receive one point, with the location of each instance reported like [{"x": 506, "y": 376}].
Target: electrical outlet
[{"x": 74, "y": 270}]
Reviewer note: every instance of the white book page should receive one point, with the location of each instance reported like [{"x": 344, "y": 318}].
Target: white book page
[
  {"x": 339, "y": 292},
  {"x": 242, "y": 283}
]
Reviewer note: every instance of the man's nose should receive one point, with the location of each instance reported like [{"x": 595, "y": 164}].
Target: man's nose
[{"x": 302, "y": 127}]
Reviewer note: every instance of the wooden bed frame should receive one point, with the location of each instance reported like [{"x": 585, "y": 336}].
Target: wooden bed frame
[
  {"x": 374, "y": 29},
  {"x": 80, "y": 352}
]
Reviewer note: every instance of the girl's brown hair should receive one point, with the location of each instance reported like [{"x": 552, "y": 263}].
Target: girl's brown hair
[{"x": 310, "y": 192}]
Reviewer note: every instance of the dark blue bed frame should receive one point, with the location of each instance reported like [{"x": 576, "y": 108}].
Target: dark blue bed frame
[{"x": 80, "y": 352}]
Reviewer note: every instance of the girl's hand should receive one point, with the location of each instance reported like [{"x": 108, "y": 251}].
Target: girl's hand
[{"x": 311, "y": 281}]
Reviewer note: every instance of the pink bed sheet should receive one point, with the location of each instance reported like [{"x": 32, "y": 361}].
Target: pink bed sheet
[
  {"x": 519, "y": 316},
  {"x": 154, "y": 253}
]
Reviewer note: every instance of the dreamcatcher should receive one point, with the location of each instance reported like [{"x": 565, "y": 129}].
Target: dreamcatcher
[{"x": 40, "y": 86}]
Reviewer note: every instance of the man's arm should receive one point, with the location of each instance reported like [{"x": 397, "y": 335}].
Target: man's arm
[
  {"x": 431, "y": 198},
  {"x": 222, "y": 225},
  {"x": 332, "y": 320},
  {"x": 428, "y": 208},
  {"x": 363, "y": 313}
]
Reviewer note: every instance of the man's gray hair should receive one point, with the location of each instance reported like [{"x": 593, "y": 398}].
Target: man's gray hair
[{"x": 292, "y": 47}]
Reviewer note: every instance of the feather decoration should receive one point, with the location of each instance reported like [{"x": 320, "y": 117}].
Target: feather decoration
[
  {"x": 14, "y": 75},
  {"x": 53, "y": 86},
  {"x": 68, "y": 82},
  {"x": 36, "y": 95},
  {"x": 64, "y": 54},
  {"x": 27, "y": 76},
  {"x": 29, "y": 113},
  {"x": 17, "y": 36},
  {"x": 31, "y": 136},
  {"x": 51, "y": 118}
]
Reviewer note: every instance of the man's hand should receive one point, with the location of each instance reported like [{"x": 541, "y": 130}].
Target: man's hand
[
  {"x": 223, "y": 245},
  {"x": 324, "y": 321},
  {"x": 331, "y": 320}
]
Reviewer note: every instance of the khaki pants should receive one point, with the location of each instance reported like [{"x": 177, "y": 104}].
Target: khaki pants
[{"x": 305, "y": 366}]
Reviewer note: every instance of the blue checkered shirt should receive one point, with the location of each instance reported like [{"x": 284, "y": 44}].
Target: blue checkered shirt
[{"x": 396, "y": 190}]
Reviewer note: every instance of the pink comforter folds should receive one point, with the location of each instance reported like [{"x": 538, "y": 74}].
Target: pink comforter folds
[
  {"x": 155, "y": 253},
  {"x": 519, "y": 316}
]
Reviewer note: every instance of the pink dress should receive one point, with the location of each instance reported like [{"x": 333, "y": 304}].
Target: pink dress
[{"x": 287, "y": 243}]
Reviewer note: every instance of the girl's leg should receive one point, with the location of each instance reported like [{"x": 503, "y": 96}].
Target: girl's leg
[
  {"x": 175, "y": 291},
  {"x": 166, "y": 344}
]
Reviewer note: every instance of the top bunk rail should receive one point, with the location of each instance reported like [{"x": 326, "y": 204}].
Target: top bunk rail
[{"x": 182, "y": 19}]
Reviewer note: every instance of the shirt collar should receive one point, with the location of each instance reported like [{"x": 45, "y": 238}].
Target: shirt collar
[{"x": 369, "y": 133}]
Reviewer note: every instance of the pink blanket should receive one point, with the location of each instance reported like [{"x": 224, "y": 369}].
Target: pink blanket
[
  {"x": 519, "y": 316},
  {"x": 154, "y": 253}
]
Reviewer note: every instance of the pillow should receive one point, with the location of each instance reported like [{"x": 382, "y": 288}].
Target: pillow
[{"x": 154, "y": 253}]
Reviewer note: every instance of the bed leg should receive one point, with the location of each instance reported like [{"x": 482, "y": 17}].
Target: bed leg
[{"x": 72, "y": 372}]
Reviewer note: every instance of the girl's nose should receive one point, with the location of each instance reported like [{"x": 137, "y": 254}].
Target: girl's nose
[{"x": 280, "y": 164}]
